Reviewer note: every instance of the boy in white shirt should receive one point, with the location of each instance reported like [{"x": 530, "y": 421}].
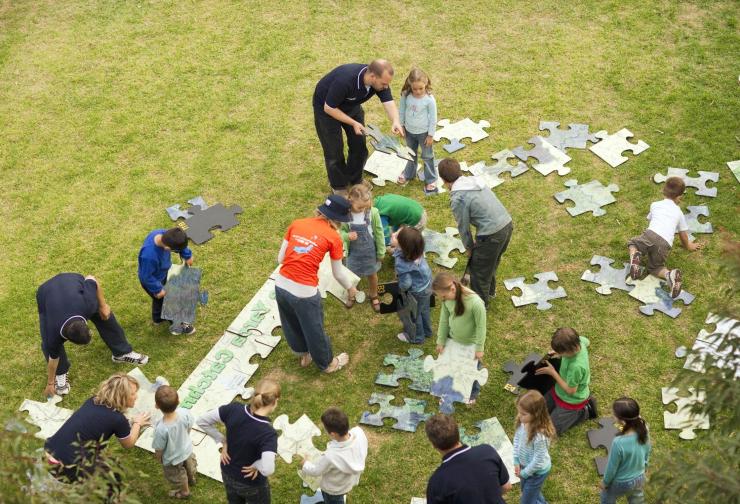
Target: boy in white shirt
[
  {"x": 666, "y": 218},
  {"x": 344, "y": 459}
]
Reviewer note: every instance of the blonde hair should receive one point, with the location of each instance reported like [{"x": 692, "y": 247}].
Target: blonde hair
[
  {"x": 533, "y": 403},
  {"x": 416, "y": 75},
  {"x": 114, "y": 392},
  {"x": 361, "y": 193},
  {"x": 266, "y": 392},
  {"x": 332, "y": 223}
]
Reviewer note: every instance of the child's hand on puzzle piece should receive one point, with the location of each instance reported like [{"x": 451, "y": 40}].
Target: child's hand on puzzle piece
[
  {"x": 440, "y": 349},
  {"x": 547, "y": 369}
]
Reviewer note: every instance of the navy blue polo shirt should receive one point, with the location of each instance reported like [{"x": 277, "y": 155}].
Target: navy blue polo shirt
[
  {"x": 468, "y": 475},
  {"x": 60, "y": 299},
  {"x": 247, "y": 435},
  {"x": 343, "y": 88},
  {"x": 92, "y": 422}
]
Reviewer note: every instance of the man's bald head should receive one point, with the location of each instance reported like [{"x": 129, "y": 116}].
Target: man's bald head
[{"x": 379, "y": 66}]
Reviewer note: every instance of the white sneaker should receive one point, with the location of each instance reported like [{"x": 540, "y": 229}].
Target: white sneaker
[
  {"x": 403, "y": 337},
  {"x": 61, "y": 385},
  {"x": 131, "y": 358}
]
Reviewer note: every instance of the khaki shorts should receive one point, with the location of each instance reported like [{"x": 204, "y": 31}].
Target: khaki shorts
[
  {"x": 178, "y": 474},
  {"x": 655, "y": 248}
]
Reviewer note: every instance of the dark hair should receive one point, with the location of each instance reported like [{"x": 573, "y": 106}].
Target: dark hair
[
  {"x": 565, "y": 339},
  {"x": 379, "y": 67},
  {"x": 76, "y": 331},
  {"x": 442, "y": 283},
  {"x": 411, "y": 242},
  {"x": 442, "y": 431},
  {"x": 674, "y": 187},
  {"x": 336, "y": 421},
  {"x": 175, "y": 239},
  {"x": 166, "y": 399},
  {"x": 627, "y": 410},
  {"x": 449, "y": 170}
]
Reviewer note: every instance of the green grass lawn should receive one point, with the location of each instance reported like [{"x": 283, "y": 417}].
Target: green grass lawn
[{"x": 112, "y": 111}]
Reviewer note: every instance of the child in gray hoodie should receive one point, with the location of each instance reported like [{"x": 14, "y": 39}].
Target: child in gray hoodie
[{"x": 344, "y": 459}]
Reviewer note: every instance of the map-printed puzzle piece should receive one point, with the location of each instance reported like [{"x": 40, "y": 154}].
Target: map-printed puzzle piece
[
  {"x": 454, "y": 146},
  {"x": 574, "y": 137},
  {"x": 538, "y": 292},
  {"x": 296, "y": 439},
  {"x": 46, "y": 415},
  {"x": 715, "y": 346},
  {"x": 145, "y": 404},
  {"x": 409, "y": 367},
  {"x": 453, "y": 374},
  {"x": 316, "y": 498},
  {"x": 491, "y": 174},
  {"x": 461, "y": 129},
  {"x": 734, "y": 167},
  {"x": 327, "y": 282},
  {"x": 549, "y": 158},
  {"x": 602, "y": 438},
  {"x": 182, "y": 297},
  {"x": 610, "y": 147},
  {"x": 699, "y": 183},
  {"x": 609, "y": 278},
  {"x": 692, "y": 219},
  {"x": 588, "y": 197},
  {"x": 516, "y": 371},
  {"x": 385, "y": 167},
  {"x": 649, "y": 291},
  {"x": 442, "y": 245},
  {"x": 683, "y": 419},
  {"x": 492, "y": 433},
  {"x": 387, "y": 143},
  {"x": 407, "y": 416},
  {"x": 199, "y": 226}
]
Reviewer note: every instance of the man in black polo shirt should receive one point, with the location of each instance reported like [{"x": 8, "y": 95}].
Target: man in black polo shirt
[
  {"x": 467, "y": 475},
  {"x": 65, "y": 304},
  {"x": 337, "y": 106}
]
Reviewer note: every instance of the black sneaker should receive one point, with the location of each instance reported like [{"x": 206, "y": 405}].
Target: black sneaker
[
  {"x": 131, "y": 358},
  {"x": 184, "y": 329},
  {"x": 674, "y": 282},
  {"x": 592, "y": 407},
  {"x": 635, "y": 267}
]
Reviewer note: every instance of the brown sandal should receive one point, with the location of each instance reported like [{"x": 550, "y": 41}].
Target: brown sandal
[{"x": 375, "y": 303}]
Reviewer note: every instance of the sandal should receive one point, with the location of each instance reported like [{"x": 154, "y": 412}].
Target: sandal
[
  {"x": 375, "y": 303},
  {"x": 430, "y": 188},
  {"x": 306, "y": 360},
  {"x": 337, "y": 363},
  {"x": 177, "y": 494}
]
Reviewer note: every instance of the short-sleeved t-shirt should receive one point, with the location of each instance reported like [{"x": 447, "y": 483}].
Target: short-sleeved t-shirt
[
  {"x": 308, "y": 242},
  {"x": 173, "y": 438},
  {"x": 666, "y": 219},
  {"x": 92, "y": 422},
  {"x": 60, "y": 299},
  {"x": 398, "y": 209},
  {"x": 248, "y": 436},
  {"x": 468, "y": 475},
  {"x": 576, "y": 372},
  {"x": 343, "y": 88}
]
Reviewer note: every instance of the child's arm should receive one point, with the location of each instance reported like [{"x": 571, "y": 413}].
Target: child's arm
[
  {"x": 549, "y": 370},
  {"x": 431, "y": 118},
  {"x": 612, "y": 465},
  {"x": 378, "y": 233},
  {"x": 402, "y": 110},
  {"x": 316, "y": 468},
  {"x": 539, "y": 457},
  {"x": 344, "y": 234},
  {"x": 158, "y": 455},
  {"x": 187, "y": 256},
  {"x": 404, "y": 281},
  {"x": 207, "y": 423},
  {"x": 684, "y": 237},
  {"x": 147, "y": 267},
  {"x": 443, "y": 330},
  {"x": 479, "y": 314},
  {"x": 462, "y": 217},
  {"x": 159, "y": 444}
]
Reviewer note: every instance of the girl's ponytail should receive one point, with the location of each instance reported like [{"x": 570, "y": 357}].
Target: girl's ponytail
[{"x": 627, "y": 410}]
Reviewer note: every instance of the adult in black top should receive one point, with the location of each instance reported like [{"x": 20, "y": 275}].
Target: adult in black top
[
  {"x": 337, "y": 106},
  {"x": 65, "y": 303},
  {"x": 467, "y": 475}
]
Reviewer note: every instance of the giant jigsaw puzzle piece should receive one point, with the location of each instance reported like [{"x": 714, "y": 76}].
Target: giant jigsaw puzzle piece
[
  {"x": 385, "y": 167},
  {"x": 683, "y": 419},
  {"x": 588, "y": 197},
  {"x": 715, "y": 347},
  {"x": 442, "y": 245},
  {"x": 692, "y": 219},
  {"x": 491, "y": 174},
  {"x": 453, "y": 374},
  {"x": 407, "y": 416},
  {"x": 296, "y": 439},
  {"x": 183, "y": 295},
  {"x": 734, "y": 167},
  {"x": 409, "y": 367},
  {"x": 536, "y": 293},
  {"x": 260, "y": 317},
  {"x": 388, "y": 144},
  {"x": 459, "y": 130},
  {"x": 199, "y": 226},
  {"x": 549, "y": 158},
  {"x": 145, "y": 404},
  {"x": 516, "y": 371},
  {"x": 602, "y": 438},
  {"x": 327, "y": 282},
  {"x": 699, "y": 183},
  {"x": 491, "y": 432},
  {"x": 316, "y": 498},
  {"x": 574, "y": 137},
  {"x": 46, "y": 415},
  {"x": 611, "y": 147},
  {"x": 609, "y": 278},
  {"x": 175, "y": 212},
  {"x": 650, "y": 292}
]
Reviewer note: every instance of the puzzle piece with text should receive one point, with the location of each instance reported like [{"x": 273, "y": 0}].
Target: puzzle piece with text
[
  {"x": 608, "y": 277},
  {"x": 611, "y": 147},
  {"x": 683, "y": 419},
  {"x": 296, "y": 439},
  {"x": 699, "y": 183},
  {"x": 387, "y": 143},
  {"x": 650, "y": 292},
  {"x": 575, "y": 137},
  {"x": 453, "y": 374},
  {"x": 718, "y": 348},
  {"x": 46, "y": 415},
  {"x": 442, "y": 244},
  {"x": 549, "y": 158},
  {"x": 260, "y": 316},
  {"x": 491, "y": 432},
  {"x": 385, "y": 167},
  {"x": 409, "y": 367},
  {"x": 588, "y": 197},
  {"x": 516, "y": 371},
  {"x": 602, "y": 438},
  {"x": 456, "y": 131},
  {"x": 327, "y": 282},
  {"x": 199, "y": 225},
  {"x": 407, "y": 416},
  {"x": 538, "y": 293},
  {"x": 696, "y": 226}
]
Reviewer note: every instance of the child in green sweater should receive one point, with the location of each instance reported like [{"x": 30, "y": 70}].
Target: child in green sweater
[{"x": 462, "y": 318}]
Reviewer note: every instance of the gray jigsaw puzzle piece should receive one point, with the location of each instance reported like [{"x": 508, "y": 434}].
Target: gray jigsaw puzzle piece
[
  {"x": 176, "y": 213},
  {"x": 734, "y": 167},
  {"x": 602, "y": 438},
  {"x": 609, "y": 278},
  {"x": 699, "y": 183},
  {"x": 407, "y": 416},
  {"x": 385, "y": 167},
  {"x": 574, "y": 137},
  {"x": 666, "y": 303},
  {"x": 199, "y": 202},
  {"x": 692, "y": 219},
  {"x": 443, "y": 244},
  {"x": 199, "y": 226},
  {"x": 491, "y": 432},
  {"x": 454, "y": 146},
  {"x": 588, "y": 197},
  {"x": 388, "y": 144},
  {"x": 312, "y": 499},
  {"x": 536, "y": 293},
  {"x": 182, "y": 298},
  {"x": 409, "y": 367},
  {"x": 491, "y": 174},
  {"x": 611, "y": 147},
  {"x": 549, "y": 158}
]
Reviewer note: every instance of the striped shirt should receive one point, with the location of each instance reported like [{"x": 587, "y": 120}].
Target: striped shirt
[{"x": 533, "y": 458}]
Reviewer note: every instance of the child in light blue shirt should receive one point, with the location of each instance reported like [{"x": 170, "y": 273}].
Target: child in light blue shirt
[{"x": 418, "y": 111}]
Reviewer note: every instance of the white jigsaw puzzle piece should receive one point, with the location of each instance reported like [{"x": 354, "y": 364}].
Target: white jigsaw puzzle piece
[
  {"x": 327, "y": 282},
  {"x": 683, "y": 419},
  {"x": 610, "y": 147},
  {"x": 459, "y": 130},
  {"x": 46, "y": 415},
  {"x": 296, "y": 439},
  {"x": 385, "y": 167},
  {"x": 443, "y": 244}
]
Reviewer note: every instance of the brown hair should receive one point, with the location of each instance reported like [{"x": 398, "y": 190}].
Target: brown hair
[
  {"x": 443, "y": 281},
  {"x": 674, "y": 187},
  {"x": 175, "y": 239},
  {"x": 336, "y": 421},
  {"x": 449, "y": 170},
  {"x": 266, "y": 392},
  {"x": 416, "y": 75},
  {"x": 533, "y": 403},
  {"x": 379, "y": 67},
  {"x": 362, "y": 192},
  {"x": 411, "y": 242},
  {"x": 442, "y": 431},
  {"x": 627, "y": 410},
  {"x": 114, "y": 392},
  {"x": 565, "y": 339},
  {"x": 166, "y": 399}
]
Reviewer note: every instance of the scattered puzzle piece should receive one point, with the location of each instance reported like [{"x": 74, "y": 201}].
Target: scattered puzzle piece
[
  {"x": 181, "y": 300},
  {"x": 316, "y": 498},
  {"x": 454, "y": 145},
  {"x": 574, "y": 137},
  {"x": 609, "y": 278},
  {"x": 683, "y": 418},
  {"x": 602, "y": 438},
  {"x": 549, "y": 158},
  {"x": 442, "y": 245},
  {"x": 610, "y": 147},
  {"x": 207, "y": 452},
  {"x": 461, "y": 129},
  {"x": 650, "y": 292},
  {"x": 491, "y": 174},
  {"x": 198, "y": 227},
  {"x": 699, "y": 183},
  {"x": 296, "y": 439},
  {"x": 453, "y": 374},
  {"x": 327, "y": 282},
  {"x": 387, "y": 143},
  {"x": 588, "y": 197},
  {"x": 734, "y": 167},
  {"x": 385, "y": 167},
  {"x": 409, "y": 367},
  {"x": 538, "y": 292},
  {"x": 46, "y": 415},
  {"x": 715, "y": 347},
  {"x": 407, "y": 416},
  {"x": 175, "y": 212},
  {"x": 492, "y": 433},
  {"x": 692, "y": 219},
  {"x": 517, "y": 372}
]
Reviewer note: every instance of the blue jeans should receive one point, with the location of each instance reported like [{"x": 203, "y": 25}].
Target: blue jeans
[
  {"x": 532, "y": 489},
  {"x": 238, "y": 492},
  {"x": 332, "y": 499},
  {"x": 423, "y": 317},
  {"x": 413, "y": 141},
  {"x": 631, "y": 489},
  {"x": 302, "y": 320}
]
